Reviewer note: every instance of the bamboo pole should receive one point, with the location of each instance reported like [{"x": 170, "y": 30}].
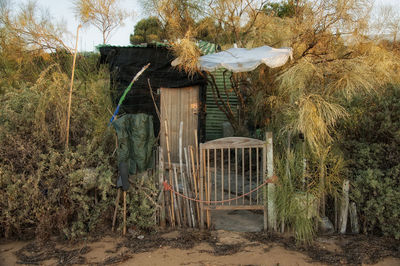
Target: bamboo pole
[
  {"x": 115, "y": 209},
  {"x": 178, "y": 202},
  {"x": 182, "y": 173},
  {"x": 70, "y": 87},
  {"x": 170, "y": 174},
  {"x": 196, "y": 141},
  {"x": 161, "y": 180},
  {"x": 189, "y": 188},
  {"x": 203, "y": 166},
  {"x": 195, "y": 183}
]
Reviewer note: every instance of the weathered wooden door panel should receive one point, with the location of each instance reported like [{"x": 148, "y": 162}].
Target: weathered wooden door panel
[{"x": 176, "y": 105}]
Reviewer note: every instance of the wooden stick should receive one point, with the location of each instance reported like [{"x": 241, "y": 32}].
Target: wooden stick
[
  {"x": 243, "y": 151},
  {"x": 170, "y": 174},
  {"x": 124, "y": 229},
  {"x": 336, "y": 213},
  {"x": 178, "y": 205},
  {"x": 182, "y": 173},
  {"x": 222, "y": 175},
  {"x": 265, "y": 191},
  {"x": 208, "y": 182},
  {"x": 197, "y": 148},
  {"x": 188, "y": 205},
  {"x": 271, "y": 187},
  {"x": 236, "y": 174},
  {"x": 202, "y": 198},
  {"x": 203, "y": 173},
  {"x": 257, "y": 167},
  {"x": 344, "y": 207},
  {"x": 161, "y": 180},
  {"x": 215, "y": 175},
  {"x": 189, "y": 188},
  {"x": 70, "y": 88},
  {"x": 115, "y": 209},
  {"x": 250, "y": 188},
  {"x": 229, "y": 175},
  {"x": 187, "y": 163},
  {"x": 195, "y": 183},
  {"x": 154, "y": 101}
]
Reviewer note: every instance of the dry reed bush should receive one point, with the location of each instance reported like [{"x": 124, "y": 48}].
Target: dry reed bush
[
  {"x": 177, "y": 16},
  {"x": 45, "y": 190},
  {"x": 316, "y": 118},
  {"x": 271, "y": 31},
  {"x": 188, "y": 55}
]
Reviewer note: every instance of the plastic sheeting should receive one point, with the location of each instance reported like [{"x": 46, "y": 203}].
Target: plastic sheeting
[
  {"x": 135, "y": 142},
  {"x": 243, "y": 60}
]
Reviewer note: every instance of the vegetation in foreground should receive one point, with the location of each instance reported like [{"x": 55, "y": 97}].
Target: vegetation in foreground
[{"x": 339, "y": 94}]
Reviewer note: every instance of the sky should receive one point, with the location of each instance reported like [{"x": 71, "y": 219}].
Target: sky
[{"x": 90, "y": 36}]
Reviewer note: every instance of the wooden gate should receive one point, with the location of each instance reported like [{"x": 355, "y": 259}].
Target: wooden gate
[
  {"x": 233, "y": 171},
  {"x": 176, "y": 105}
]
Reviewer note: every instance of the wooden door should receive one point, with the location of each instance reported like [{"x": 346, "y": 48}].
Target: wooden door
[{"x": 176, "y": 105}]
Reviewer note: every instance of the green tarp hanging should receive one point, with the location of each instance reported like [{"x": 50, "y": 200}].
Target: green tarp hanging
[{"x": 135, "y": 141}]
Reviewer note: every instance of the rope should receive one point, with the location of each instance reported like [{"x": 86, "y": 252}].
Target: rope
[{"x": 168, "y": 187}]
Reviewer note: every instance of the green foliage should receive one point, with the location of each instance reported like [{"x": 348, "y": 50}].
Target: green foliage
[
  {"x": 45, "y": 189},
  {"x": 296, "y": 209},
  {"x": 141, "y": 203},
  {"x": 281, "y": 9},
  {"x": 371, "y": 142},
  {"x": 147, "y": 30}
]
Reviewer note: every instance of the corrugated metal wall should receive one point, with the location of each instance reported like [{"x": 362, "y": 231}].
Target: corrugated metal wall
[{"x": 214, "y": 116}]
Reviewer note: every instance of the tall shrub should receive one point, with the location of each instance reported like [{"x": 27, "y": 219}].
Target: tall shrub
[{"x": 371, "y": 143}]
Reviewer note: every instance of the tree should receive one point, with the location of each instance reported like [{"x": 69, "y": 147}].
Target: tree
[
  {"x": 333, "y": 61},
  {"x": 388, "y": 22},
  {"x": 177, "y": 16},
  {"x": 105, "y": 15},
  {"x": 147, "y": 30},
  {"x": 33, "y": 26},
  {"x": 281, "y": 9}
]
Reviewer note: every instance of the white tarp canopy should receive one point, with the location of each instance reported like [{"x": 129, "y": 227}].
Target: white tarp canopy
[{"x": 243, "y": 60}]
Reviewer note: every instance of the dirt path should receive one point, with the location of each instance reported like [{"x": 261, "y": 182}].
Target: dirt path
[{"x": 207, "y": 248}]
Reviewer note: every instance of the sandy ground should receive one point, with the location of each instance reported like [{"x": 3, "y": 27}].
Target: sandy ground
[{"x": 177, "y": 248}]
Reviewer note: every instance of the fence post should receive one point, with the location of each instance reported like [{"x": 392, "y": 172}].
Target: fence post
[
  {"x": 271, "y": 187},
  {"x": 201, "y": 189},
  {"x": 264, "y": 178}
]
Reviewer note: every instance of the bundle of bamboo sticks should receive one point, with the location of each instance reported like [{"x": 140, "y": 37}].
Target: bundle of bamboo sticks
[{"x": 184, "y": 178}]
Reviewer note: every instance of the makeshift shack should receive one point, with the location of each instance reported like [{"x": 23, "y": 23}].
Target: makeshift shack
[{"x": 178, "y": 97}]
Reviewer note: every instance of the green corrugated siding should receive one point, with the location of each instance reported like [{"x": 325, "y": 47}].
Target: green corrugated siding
[{"x": 215, "y": 117}]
